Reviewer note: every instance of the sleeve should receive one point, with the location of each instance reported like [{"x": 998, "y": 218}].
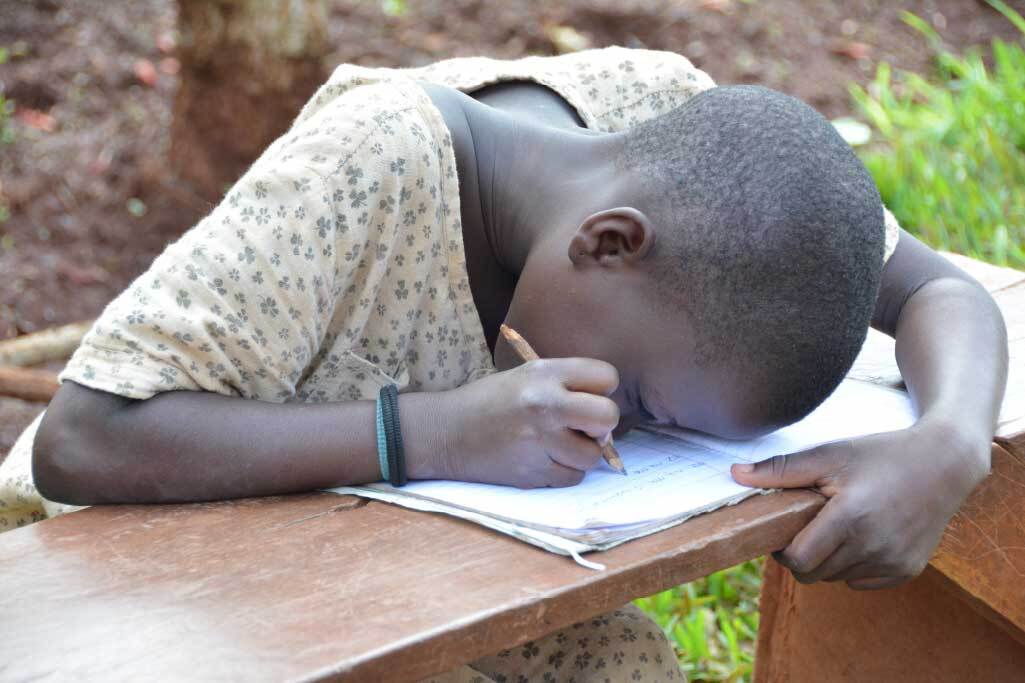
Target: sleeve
[
  {"x": 892, "y": 234},
  {"x": 240, "y": 304}
]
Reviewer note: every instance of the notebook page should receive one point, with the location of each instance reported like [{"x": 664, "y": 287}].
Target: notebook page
[
  {"x": 667, "y": 477},
  {"x": 672, "y": 475},
  {"x": 855, "y": 409}
]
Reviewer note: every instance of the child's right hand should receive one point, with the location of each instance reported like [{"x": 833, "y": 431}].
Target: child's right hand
[{"x": 534, "y": 425}]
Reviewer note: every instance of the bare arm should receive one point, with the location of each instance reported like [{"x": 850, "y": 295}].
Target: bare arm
[
  {"x": 523, "y": 427},
  {"x": 951, "y": 343},
  {"x": 96, "y": 447}
]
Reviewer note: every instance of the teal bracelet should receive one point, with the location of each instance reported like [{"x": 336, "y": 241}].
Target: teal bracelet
[{"x": 382, "y": 443}]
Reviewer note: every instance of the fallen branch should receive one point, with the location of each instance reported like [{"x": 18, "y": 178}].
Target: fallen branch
[
  {"x": 56, "y": 343},
  {"x": 28, "y": 385}
]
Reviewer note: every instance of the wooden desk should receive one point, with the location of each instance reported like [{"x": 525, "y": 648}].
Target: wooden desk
[{"x": 320, "y": 587}]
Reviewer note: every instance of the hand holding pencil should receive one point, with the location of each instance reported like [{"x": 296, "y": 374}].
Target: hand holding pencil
[
  {"x": 526, "y": 353},
  {"x": 531, "y": 426}
]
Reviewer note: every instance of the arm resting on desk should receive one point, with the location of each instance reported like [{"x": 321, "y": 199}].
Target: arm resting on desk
[
  {"x": 95, "y": 447},
  {"x": 534, "y": 425},
  {"x": 891, "y": 495},
  {"x": 951, "y": 343}
]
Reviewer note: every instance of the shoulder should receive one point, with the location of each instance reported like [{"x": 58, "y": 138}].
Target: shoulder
[
  {"x": 356, "y": 144},
  {"x": 628, "y": 86}
]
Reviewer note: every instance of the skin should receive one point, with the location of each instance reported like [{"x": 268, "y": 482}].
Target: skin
[{"x": 559, "y": 245}]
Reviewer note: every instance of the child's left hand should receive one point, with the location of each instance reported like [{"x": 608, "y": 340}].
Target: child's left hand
[{"x": 890, "y": 495}]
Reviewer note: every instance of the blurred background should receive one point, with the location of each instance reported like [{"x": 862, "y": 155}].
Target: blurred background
[{"x": 121, "y": 124}]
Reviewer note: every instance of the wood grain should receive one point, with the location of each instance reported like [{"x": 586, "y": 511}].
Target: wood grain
[
  {"x": 921, "y": 632},
  {"x": 55, "y": 343},
  {"x": 323, "y": 587}
]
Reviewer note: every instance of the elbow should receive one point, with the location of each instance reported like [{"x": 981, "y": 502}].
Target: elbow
[
  {"x": 56, "y": 465},
  {"x": 965, "y": 299},
  {"x": 65, "y": 453}
]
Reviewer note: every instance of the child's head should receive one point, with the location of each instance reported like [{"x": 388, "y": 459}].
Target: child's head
[{"x": 735, "y": 291}]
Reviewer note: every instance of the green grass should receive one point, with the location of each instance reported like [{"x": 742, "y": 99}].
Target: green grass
[
  {"x": 950, "y": 153},
  {"x": 712, "y": 622},
  {"x": 6, "y": 133},
  {"x": 949, "y": 160}
]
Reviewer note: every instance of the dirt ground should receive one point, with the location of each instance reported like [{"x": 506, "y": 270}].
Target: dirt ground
[{"x": 91, "y": 200}]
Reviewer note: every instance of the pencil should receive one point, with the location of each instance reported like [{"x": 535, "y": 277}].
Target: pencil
[{"x": 526, "y": 353}]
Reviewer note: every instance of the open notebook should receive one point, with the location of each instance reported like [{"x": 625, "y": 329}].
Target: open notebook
[{"x": 673, "y": 475}]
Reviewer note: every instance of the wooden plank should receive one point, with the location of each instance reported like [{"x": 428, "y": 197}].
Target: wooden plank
[
  {"x": 323, "y": 587},
  {"x": 55, "y": 343},
  {"x": 993, "y": 278},
  {"x": 28, "y": 384},
  {"x": 919, "y": 632},
  {"x": 982, "y": 551}
]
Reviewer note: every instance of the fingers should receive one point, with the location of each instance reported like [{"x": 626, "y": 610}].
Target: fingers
[
  {"x": 574, "y": 450},
  {"x": 557, "y": 475},
  {"x": 596, "y": 416},
  {"x": 835, "y": 567},
  {"x": 807, "y": 468},
  {"x": 815, "y": 543},
  {"x": 582, "y": 374},
  {"x": 878, "y": 583}
]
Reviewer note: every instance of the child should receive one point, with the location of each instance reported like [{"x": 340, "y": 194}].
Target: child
[{"x": 713, "y": 265}]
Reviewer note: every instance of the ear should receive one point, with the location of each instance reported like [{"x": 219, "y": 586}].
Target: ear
[{"x": 612, "y": 237}]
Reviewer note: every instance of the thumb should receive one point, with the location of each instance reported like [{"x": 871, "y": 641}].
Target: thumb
[{"x": 796, "y": 470}]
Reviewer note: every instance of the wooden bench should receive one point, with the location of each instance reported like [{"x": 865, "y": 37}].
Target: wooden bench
[{"x": 319, "y": 586}]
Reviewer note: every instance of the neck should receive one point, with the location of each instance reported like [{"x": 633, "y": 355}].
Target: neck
[{"x": 534, "y": 179}]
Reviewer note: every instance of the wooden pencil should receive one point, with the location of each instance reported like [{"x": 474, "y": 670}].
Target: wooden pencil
[{"x": 526, "y": 353}]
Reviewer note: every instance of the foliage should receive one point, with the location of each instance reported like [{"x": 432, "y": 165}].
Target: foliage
[
  {"x": 6, "y": 137},
  {"x": 952, "y": 162},
  {"x": 712, "y": 622},
  {"x": 6, "y": 107},
  {"x": 394, "y": 8}
]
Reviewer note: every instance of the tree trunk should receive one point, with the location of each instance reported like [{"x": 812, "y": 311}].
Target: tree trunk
[{"x": 248, "y": 66}]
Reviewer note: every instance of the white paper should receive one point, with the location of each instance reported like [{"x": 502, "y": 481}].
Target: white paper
[{"x": 672, "y": 473}]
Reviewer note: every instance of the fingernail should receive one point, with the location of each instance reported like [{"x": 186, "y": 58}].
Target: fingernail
[{"x": 744, "y": 467}]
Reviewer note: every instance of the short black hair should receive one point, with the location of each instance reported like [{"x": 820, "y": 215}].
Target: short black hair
[{"x": 770, "y": 237}]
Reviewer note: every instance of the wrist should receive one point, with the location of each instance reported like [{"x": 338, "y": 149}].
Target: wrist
[
  {"x": 424, "y": 438},
  {"x": 967, "y": 446}
]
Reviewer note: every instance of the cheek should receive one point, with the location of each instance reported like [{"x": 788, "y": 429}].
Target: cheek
[
  {"x": 627, "y": 418},
  {"x": 505, "y": 357}
]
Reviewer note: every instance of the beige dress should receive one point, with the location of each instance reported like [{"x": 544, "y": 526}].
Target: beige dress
[{"x": 336, "y": 264}]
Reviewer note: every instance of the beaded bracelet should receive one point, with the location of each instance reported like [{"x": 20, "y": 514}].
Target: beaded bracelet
[
  {"x": 382, "y": 444},
  {"x": 389, "y": 399}
]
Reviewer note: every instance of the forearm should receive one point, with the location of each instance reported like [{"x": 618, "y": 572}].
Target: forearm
[
  {"x": 196, "y": 446},
  {"x": 952, "y": 352}
]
